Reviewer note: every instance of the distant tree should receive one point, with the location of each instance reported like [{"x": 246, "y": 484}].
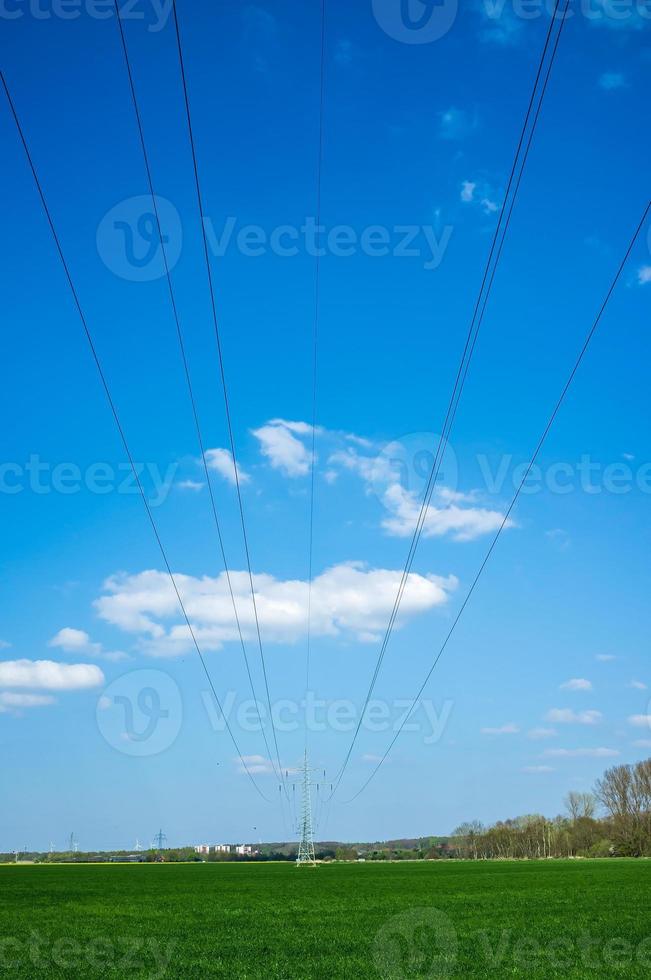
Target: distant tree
[{"x": 580, "y": 805}]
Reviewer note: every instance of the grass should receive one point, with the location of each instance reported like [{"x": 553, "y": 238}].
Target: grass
[{"x": 430, "y": 919}]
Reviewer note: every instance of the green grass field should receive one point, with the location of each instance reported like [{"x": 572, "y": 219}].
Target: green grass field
[{"x": 438, "y": 919}]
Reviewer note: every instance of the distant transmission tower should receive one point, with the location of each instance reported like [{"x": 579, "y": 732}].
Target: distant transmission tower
[
  {"x": 306, "y": 857},
  {"x": 73, "y": 846},
  {"x": 160, "y": 840},
  {"x": 138, "y": 846}
]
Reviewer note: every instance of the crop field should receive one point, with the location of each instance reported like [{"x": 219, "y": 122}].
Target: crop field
[{"x": 433, "y": 919}]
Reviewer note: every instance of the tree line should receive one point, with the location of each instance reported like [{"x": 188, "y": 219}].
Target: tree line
[{"x": 612, "y": 821}]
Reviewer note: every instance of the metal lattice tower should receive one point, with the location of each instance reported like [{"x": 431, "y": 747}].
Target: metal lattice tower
[
  {"x": 306, "y": 857},
  {"x": 160, "y": 840}
]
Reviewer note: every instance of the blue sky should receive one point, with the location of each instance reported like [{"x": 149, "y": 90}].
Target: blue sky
[{"x": 417, "y": 136}]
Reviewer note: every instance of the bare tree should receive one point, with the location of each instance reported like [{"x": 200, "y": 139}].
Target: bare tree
[{"x": 580, "y": 805}]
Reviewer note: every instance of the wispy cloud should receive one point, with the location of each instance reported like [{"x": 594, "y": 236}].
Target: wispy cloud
[
  {"x": 565, "y": 716},
  {"x": 600, "y": 753},
  {"x": 481, "y": 195},
  {"x": 576, "y": 684},
  {"x": 540, "y": 733},
  {"x": 13, "y": 703},
  {"x": 257, "y": 765},
  {"x": 534, "y": 769},
  {"x": 640, "y": 721},
  {"x": 344, "y": 51},
  {"x": 610, "y": 81},
  {"x": 221, "y": 461},
  {"x": 509, "y": 729},
  {"x": 456, "y": 124},
  {"x": 76, "y": 641},
  {"x": 644, "y": 275},
  {"x": 638, "y": 685},
  {"x": 605, "y": 658},
  {"x": 193, "y": 485}
]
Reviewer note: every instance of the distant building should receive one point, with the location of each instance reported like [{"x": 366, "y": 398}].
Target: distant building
[{"x": 202, "y": 849}]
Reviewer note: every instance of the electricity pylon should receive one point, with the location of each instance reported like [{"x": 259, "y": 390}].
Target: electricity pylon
[
  {"x": 306, "y": 857},
  {"x": 160, "y": 840}
]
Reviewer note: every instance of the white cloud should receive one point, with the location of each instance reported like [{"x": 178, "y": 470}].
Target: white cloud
[
  {"x": 72, "y": 640},
  {"x": 642, "y": 743},
  {"x": 538, "y": 769},
  {"x": 644, "y": 275},
  {"x": 75, "y": 641},
  {"x": 221, "y": 461},
  {"x": 605, "y": 658},
  {"x": 538, "y": 733},
  {"x": 600, "y": 753},
  {"x": 257, "y": 765},
  {"x": 565, "y": 716},
  {"x": 449, "y": 512},
  {"x": 12, "y": 702},
  {"x": 48, "y": 675},
  {"x": 467, "y": 191},
  {"x": 612, "y": 80},
  {"x": 640, "y": 721},
  {"x": 481, "y": 195},
  {"x": 576, "y": 684},
  {"x": 508, "y": 729},
  {"x": 280, "y": 444},
  {"x": 463, "y": 523},
  {"x": 4, "y": 645},
  {"x": 501, "y": 26},
  {"x": 638, "y": 685},
  {"x": 349, "y": 600},
  {"x": 190, "y": 485},
  {"x": 369, "y": 757}
]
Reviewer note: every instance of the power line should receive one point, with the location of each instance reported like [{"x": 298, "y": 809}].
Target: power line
[
  {"x": 118, "y": 423},
  {"x": 315, "y": 347},
  {"x": 514, "y": 500},
  {"x": 470, "y": 342},
  {"x": 186, "y": 369},
  {"x": 222, "y": 371}
]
